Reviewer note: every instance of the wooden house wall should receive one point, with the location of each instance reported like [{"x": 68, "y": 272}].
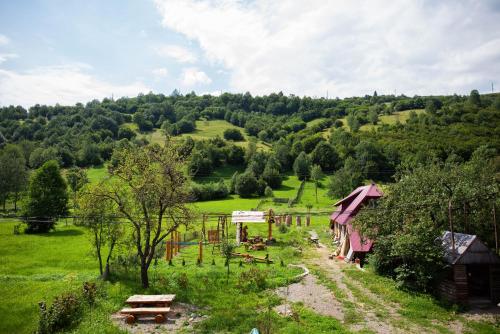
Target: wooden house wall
[
  {"x": 495, "y": 283},
  {"x": 455, "y": 290}
]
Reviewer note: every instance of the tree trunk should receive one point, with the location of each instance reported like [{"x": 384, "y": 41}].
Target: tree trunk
[
  {"x": 316, "y": 189},
  {"x": 144, "y": 274},
  {"x": 98, "y": 251},
  {"x": 15, "y": 201}
]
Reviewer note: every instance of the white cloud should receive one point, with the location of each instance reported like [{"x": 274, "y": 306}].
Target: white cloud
[
  {"x": 4, "y": 40},
  {"x": 160, "y": 72},
  {"x": 65, "y": 85},
  {"x": 345, "y": 47},
  {"x": 193, "y": 76},
  {"x": 176, "y": 52},
  {"x": 6, "y": 56}
]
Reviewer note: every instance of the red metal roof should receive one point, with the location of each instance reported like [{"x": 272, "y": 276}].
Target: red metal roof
[{"x": 350, "y": 205}]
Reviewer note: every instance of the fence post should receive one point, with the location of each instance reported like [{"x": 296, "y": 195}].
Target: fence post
[{"x": 200, "y": 251}]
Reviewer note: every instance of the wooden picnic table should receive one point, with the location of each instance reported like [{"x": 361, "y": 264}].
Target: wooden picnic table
[{"x": 150, "y": 300}]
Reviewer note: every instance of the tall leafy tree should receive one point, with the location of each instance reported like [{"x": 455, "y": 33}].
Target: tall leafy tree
[
  {"x": 13, "y": 174},
  {"x": 47, "y": 197},
  {"x": 316, "y": 176},
  {"x": 99, "y": 215},
  {"x": 326, "y": 157},
  {"x": 77, "y": 178},
  {"x": 302, "y": 166},
  {"x": 150, "y": 190}
]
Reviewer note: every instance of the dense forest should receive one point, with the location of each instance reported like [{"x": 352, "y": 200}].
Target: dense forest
[{"x": 450, "y": 129}]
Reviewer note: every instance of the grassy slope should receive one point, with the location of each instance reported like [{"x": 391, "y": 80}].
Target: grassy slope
[{"x": 204, "y": 130}]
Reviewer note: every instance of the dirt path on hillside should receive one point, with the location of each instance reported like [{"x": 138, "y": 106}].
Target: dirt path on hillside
[{"x": 371, "y": 320}]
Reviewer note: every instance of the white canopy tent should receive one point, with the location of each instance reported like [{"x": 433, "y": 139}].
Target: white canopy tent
[{"x": 239, "y": 217}]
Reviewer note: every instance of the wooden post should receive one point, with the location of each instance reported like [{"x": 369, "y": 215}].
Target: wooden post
[
  {"x": 308, "y": 220},
  {"x": 495, "y": 228},
  {"x": 270, "y": 221},
  {"x": 168, "y": 255},
  {"x": 200, "y": 251},
  {"x": 172, "y": 241},
  {"x": 227, "y": 228},
  {"x": 203, "y": 231},
  {"x": 451, "y": 227},
  {"x": 178, "y": 243}
]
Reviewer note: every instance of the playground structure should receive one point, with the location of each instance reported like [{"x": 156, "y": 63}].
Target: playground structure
[{"x": 241, "y": 219}]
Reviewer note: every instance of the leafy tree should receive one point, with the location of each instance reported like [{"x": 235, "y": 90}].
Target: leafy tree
[
  {"x": 475, "y": 98},
  {"x": 41, "y": 155},
  {"x": 98, "y": 214},
  {"x": 272, "y": 177},
  {"x": 89, "y": 155},
  {"x": 257, "y": 163},
  {"x": 353, "y": 123},
  {"x": 126, "y": 133},
  {"x": 13, "y": 173},
  {"x": 345, "y": 179},
  {"x": 3, "y": 140},
  {"x": 232, "y": 184},
  {"x": 373, "y": 116},
  {"x": 325, "y": 156},
  {"x": 268, "y": 192},
  {"x": 149, "y": 188},
  {"x": 47, "y": 197},
  {"x": 302, "y": 166},
  {"x": 227, "y": 250},
  {"x": 246, "y": 185},
  {"x": 77, "y": 178},
  {"x": 316, "y": 176},
  {"x": 233, "y": 134},
  {"x": 235, "y": 155},
  {"x": 199, "y": 165}
]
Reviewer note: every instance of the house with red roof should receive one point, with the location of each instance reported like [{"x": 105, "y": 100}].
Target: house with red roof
[{"x": 350, "y": 243}]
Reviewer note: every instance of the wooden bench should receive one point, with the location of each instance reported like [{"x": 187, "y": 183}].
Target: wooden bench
[
  {"x": 158, "y": 312},
  {"x": 150, "y": 300}
]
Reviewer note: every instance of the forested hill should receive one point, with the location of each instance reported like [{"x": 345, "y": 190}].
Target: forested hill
[{"x": 374, "y": 133}]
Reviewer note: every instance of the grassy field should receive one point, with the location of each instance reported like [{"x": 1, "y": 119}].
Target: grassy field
[
  {"x": 401, "y": 116},
  {"x": 204, "y": 130},
  {"x": 39, "y": 267}
]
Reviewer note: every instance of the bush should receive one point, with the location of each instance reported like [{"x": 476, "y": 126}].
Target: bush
[
  {"x": 63, "y": 313},
  {"x": 209, "y": 191},
  {"x": 268, "y": 192},
  {"x": 233, "y": 134},
  {"x": 246, "y": 185},
  {"x": 252, "y": 280}
]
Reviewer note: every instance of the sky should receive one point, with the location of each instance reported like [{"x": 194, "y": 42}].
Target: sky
[{"x": 65, "y": 51}]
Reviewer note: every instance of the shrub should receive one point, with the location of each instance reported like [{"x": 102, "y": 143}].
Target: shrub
[
  {"x": 209, "y": 191},
  {"x": 268, "y": 192},
  {"x": 63, "y": 313},
  {"x": 246, "y": 185},
  {"x": 233, "y": 134},
  {"x": 252, "y": 280}
]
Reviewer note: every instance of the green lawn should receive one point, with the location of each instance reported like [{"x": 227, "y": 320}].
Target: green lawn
[{"x": 39, "y": 267}]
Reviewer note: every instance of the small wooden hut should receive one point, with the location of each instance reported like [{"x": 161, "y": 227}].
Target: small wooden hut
[{"x": 474, "y": 276}]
